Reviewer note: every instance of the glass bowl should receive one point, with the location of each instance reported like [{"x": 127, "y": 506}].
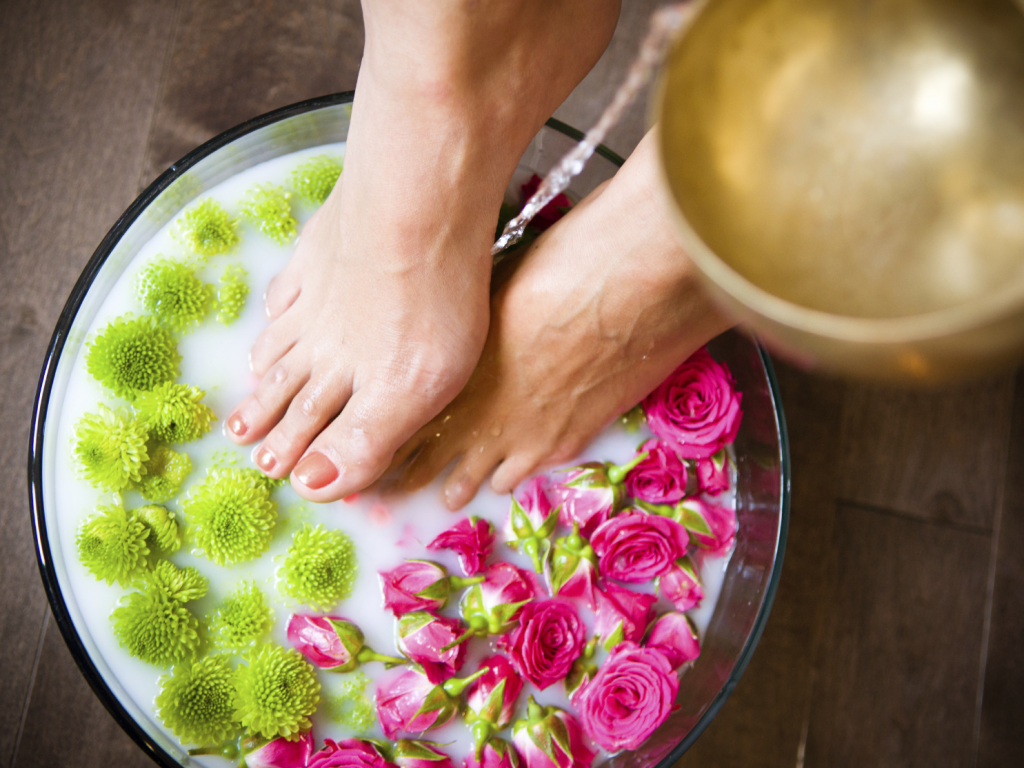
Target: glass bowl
[{"x": 761, "y": 447}]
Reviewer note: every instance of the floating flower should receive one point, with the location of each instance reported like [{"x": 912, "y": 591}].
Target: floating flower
[
  {"x": 713, "y": 473},
  {"x": 696, "y": 409},
  {"x": 419, "y": 585},
  {"x": 549, "y": 638},
  {"x": 491, "y": 699},
  {"x": 315, "y": 178},
  {"x": 277, "y": 753},
  {"x": 680, "y": 585},
  {"x": 156, "y": 628},
  {"x": 631, "y": 695},
  {"x": 495, "y": 753},
  {"x": 675, "y": 636},
  {"x": 320, "y": 568},
  {"x": 206, "y": 229},
  {"x": 420, "y": 754},
  {"x": 472, "y": 539},
  {"x": 132, "y": 355},
  {"x": 333, "y": 643},
  {"x": 165, "y": 471},
  {"x": 275, "y": 692},
  {"x": 195, "y": 701},
  {"x": 232, "y": 294},
  {"x": 660, "y": 478},
  {"x": 231, "y": 516},
  {"x": 349, "y": 753},
  {"x": 573, "y": 571},
  {"x": 242, "y": 618},
  {"x": 713, "y": 527},
  {"x": 410, "y": 702},
  {"x": 112, "y": 545},
  {"x": 592, "y": 493},
  {"x": 174, "y": 583},
  {"x": 550, "y": 738},
  {"x": 427, "y": 640},
  {"x": 174, "y": 413},
  {"x": 622, "y": 614},
  {"x": 637, "y": 547},
  {"x": 173, "y": 293},
  {"x": 110, "y": 448},
  {"x": 493, "y": 606},
  {"x": 531, "y": 521},
  {"x": 269, "y": 209},
  {"x": 163, "y": 535}
]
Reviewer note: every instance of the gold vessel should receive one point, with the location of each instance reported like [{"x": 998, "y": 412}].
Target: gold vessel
[{"x": 849, "y": 177}]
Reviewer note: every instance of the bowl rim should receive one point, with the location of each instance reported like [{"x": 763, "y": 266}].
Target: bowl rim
[{"x": 44, "y": 559}]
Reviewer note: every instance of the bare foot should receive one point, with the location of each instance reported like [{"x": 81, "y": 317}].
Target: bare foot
[
  {"x": 380, "y": 317},
  {"x": 600, "y": 310}
]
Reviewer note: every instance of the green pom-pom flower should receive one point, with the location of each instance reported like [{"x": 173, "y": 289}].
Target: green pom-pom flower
[
  {"x": 163, "y": 535},
  {"x": 232, "y": 294},
  {"x": 269, "y": 208},
  {"x": 243, "y": 618},
  {"x": 112, "y": 546},
  {"x": 156, "y": 628},
  {"x": 110, "y": 448},
  {"x": 315, "y": 178},
  {"x": 195, "y": 701},
  {"x": 165, "y": 471},
  {"x": 320, "y": 567},
  {"x": 132, "y": 355},
  {"x": 276, "y": 692},
  {"x": 181, "y": 584},
  {"x": 174, "y": 413},
  {"x": 171, "y": 292},
  {"x": 231, "y": 516},
  {"x": 206, "y": 229}
]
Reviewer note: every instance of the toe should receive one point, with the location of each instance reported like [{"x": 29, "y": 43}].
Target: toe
[
  {"x": 465, "y": 480},
  {"x": 282, "y": 292},
  {"x": 512, "y": 471},
  {"x": 255, "y": 416},
  {"x": 274, "y": 343}
]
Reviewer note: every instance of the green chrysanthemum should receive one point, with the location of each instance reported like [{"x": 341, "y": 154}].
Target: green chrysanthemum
[
  {"x": 315, "y": 178},
  {"x": 165, "y": 471},
  {"x": 195, "y": 701},
  {"x": 132, "y": 355},
  {"x": 174, "y": 413},
  {"x": 110, "y": 448},
  {"x": 320, "y": 567},
  {"x": 276, "y": 692},
  {"x": 156, "y": 628},
  {"x": 269, "y": 208},
  {"x": 112, "y": 546},
  {"x": 351, "y": 707},
  {"x": 181, "y": 584},
  {"x": 231, "y": 515},
  {"x": 232, "y": 294},
  {"x": 206, "y": 229},
  {"x": 171, "y": 292},
  {"x": 270, "y": 483},
  {"x": 163, "y": 535},
  {"x": 241, "y": 619}
]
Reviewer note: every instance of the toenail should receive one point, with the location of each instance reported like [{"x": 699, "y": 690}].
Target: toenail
[
  {"x": 236, "y": 425},
  {"x": 315, "y": 471},
  {"x": 265, "y": 459}
]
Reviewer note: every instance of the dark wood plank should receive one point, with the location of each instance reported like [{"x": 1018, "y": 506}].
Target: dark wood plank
[
  {"x": 762, "y": 723},
  {"x": 938, "y": 455},
  {"x": 1001, "y": 735},
  {"x": 236, "y": 59},
  {"x": 77, "y": 97},
  {"x": 897, "y": 678}
]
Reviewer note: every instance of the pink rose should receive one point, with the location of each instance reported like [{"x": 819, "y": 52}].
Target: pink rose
[
  {"x": 495, "y": 753},
  {"x": 331, "y": 642},
  {"x": 713, "y": 474},
  {"x": 680, "y": 586},
  {"x": 348, "y": 753},
  {"x": 696, "y": 409},
  {"x": 573, "y": 570},
  {"x": 492, "y": 606},
  {"x": 420, "y": 754},
  {"x": 472, "y": 539},
  {"x": 410, "y": 702},
  {"x": 531, "y": 521},
  {"x": 630, "y": 696},
  {"x": 278, "y": 753},
  {"x": 675, "y": 636},
  {"x": 622, "y": 614},
  {"x": 550, "y": 738},
  {"x": 491, "y": 699},
  {"x": 423, "y": 636},
  {"x": 658, "y": 479},
  {"x": 419, "y": 585},
  {"x": 549, "y": 638},
  {"x": 712, "y": 527},
  {"x": 589, "y": 495},
  {"x": 637, "y": 547}
]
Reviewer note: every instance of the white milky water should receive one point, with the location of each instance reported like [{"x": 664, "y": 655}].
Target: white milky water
[{"x": 215, "y": 358}]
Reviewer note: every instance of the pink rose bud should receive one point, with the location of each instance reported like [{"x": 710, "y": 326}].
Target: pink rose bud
[
  {"x": 549, "y": 638},
  {"x": 637, "y": 547},
  {"x": 278, "y": 753},
  {"x": 333, "y": 643},
  {"x": 675, "y": 636},
  {"x": 531, "y": 521},
  {"x": 631, "y": 695},
  {"x": 472, "y": 539},
  {"x": 349, "y": 753},
  {"x": 696, "y": 409},
  {"x": 493, "y": 606},
  {"x": 419, "y": 585},
  {"x": 712, "y": 527},
  {"x": 713, "y": 473},
  {"x": 622, "y": 614},
  {"x": 573, "y": 569},
  {"x": 658, "y": 479},
  {"x": 420, "y": 754},
  {"x": 583, "y": 670},
  {"x": 592, "y": 493},
  {"x": 410, "y": 702},
  {"x": 496, "y": 753},
  {"x": 550, "y": 738},
  {"x": 425, "y": 638},
  {"x": 491, "y": 700},
  {"x": 680, "y": 586}
]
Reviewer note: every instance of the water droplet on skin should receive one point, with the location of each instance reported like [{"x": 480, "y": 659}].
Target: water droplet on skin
[
  {"x": 447, "y": 419},
  {"x": 496, "y": 430}
]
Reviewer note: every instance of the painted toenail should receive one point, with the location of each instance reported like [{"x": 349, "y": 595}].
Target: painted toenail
[
  {"x": 236, "y": 425},
  {"x": 265, "y": 459},
  {"x": 315, "y": 471}
]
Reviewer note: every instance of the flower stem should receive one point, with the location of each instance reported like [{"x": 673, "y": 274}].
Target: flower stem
[
  {"x": 617, "y": 473},
  {"x": 458, "y": 582}
]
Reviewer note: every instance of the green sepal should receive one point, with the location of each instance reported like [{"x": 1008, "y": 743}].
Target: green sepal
[
  {"x": 417, "y": 750},
  {"x": 351, "y": 638},
  {"x": 615, "y": 637},
  {"x": 692, "y": 520},
  {"x": 491, "y": 710},
  {"x": 500, "y": 620},
  {"x": 664, "y": 510},
  {"x": 566, "y": 556}
]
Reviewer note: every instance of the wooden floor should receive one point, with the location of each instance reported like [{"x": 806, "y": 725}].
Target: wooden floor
[{"x": 896, "y": 635}]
